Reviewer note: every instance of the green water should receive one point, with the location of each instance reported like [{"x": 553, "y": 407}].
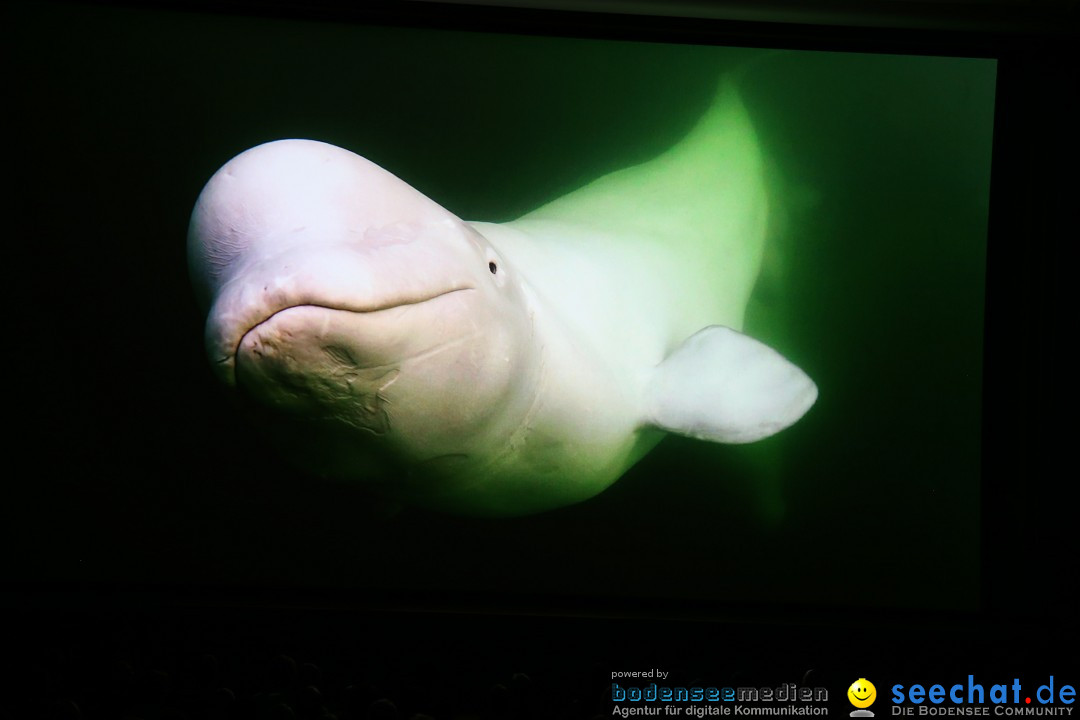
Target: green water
[{"x": 873, "y": 284}]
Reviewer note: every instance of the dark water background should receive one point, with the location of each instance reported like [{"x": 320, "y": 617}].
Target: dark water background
[{"x": 875, "y": 287}]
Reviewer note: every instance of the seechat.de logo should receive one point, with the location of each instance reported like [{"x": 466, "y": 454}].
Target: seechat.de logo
[{"x": 973, "y": 698}]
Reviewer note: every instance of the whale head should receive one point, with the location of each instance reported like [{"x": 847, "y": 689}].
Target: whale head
[{"x": 364, "y": 325}]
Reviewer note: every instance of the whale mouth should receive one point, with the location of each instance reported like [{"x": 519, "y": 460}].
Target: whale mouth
[
  {"x": 309, "y": 344},
  {"x": 363, "y": 309}
]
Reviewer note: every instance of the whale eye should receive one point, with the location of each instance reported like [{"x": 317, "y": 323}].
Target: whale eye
[{"x": 492, "y": 268}]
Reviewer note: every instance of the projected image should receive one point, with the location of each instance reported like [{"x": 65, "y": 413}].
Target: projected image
[
  {"x": 499, "y": 316},
  {"x": 499, "y": 369}
]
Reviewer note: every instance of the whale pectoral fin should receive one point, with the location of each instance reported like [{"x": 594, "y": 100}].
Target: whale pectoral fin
[{"x": 723, "y": 386}]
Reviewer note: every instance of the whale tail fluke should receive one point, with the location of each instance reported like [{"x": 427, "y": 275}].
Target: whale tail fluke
[{"x": 723, "y": 386}]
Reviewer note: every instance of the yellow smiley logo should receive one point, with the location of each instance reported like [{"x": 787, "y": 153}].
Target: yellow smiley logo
[{"x": 862, "y": 693}]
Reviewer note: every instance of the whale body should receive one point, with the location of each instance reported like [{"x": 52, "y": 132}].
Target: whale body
[{"x": 492, "y": 369}]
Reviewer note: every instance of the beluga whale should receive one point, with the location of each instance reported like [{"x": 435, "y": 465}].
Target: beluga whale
[{"x": 492, "y": 369}]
